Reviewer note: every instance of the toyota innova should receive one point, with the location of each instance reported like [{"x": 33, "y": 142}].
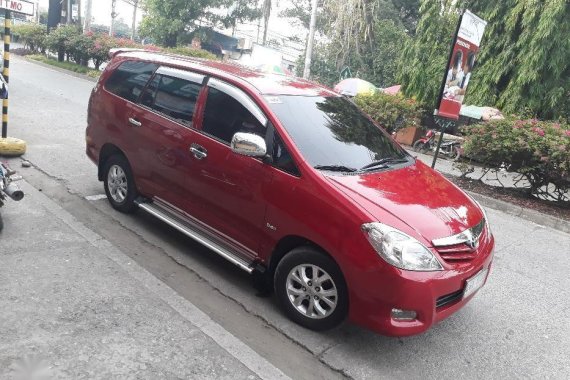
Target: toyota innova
[{"x": 290, "y": 182}]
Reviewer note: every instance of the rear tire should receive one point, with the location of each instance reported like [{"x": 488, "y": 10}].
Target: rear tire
[
  {"x": 455, "y": 153},
  {"x": 311, "y": 289},
  {"x": 120, "y": 184}
]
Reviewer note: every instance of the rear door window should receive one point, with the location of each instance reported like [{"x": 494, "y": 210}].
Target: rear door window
[
  {"x": 130, "y": 78},
  {"x": 173, "y": 93},
  {"x": 173, "y": 97}
]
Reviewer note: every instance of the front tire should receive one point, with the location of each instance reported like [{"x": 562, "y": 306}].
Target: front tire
[
  {"x": 119, "y": 184},
  {"x": 311, "y": 289},
  {"x": 420, "y": 146}
]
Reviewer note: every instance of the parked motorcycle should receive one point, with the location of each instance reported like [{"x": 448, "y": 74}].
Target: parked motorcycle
[
  {"x": 449, "y": 148},
  {"x": 8, "y": 189}
]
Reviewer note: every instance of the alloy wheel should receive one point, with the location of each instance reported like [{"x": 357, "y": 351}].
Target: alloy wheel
[
  {"x": 312, "y": 291},
  {"x": 117, "y": 183}
]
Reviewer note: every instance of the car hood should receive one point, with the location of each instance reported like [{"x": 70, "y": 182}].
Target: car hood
[{"x": 417, "y": 195}]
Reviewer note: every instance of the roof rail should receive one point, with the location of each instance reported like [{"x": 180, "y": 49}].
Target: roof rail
[{"x": 113, "y": 52}]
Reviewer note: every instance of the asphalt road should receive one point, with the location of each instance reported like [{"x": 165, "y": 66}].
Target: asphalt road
[{"x": 517, "y": 326}]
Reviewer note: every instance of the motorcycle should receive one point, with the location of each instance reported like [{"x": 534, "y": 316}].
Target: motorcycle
[
  {"x": 8, "y": 189},
  {"x": 449, "y": 148}
]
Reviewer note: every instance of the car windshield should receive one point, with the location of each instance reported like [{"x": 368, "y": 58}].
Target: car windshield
[{"x": 333, "y": 134}]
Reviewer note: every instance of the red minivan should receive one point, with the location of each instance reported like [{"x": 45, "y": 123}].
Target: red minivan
[{"x": 292, "y": 183}]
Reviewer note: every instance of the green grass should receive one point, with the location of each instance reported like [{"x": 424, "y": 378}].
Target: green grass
[{"x": 66, "y": 65}]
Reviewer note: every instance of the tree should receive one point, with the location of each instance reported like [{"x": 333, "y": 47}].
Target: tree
[
  {"x": 523, "y": 65},
  {"x": 266, "y": 13},
  {"x": 365, "y": 35},
  {"x": 425, "y": 57},
  {"x": 166, "y": 20},
  {"x": 240, "y": 11}
]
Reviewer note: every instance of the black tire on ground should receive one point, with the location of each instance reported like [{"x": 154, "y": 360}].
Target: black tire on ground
[
  {"x": 317, "y": 288},
  {"x": 119, "y": 184},
  {"x": 1, "y": 223},
  {"x": 420, "y": 146}
]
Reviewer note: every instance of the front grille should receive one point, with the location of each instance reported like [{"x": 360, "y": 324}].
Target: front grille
[
  {"x": 462, "y": 252},
  {"x": 449, "y": 299},
  {"x": 458, "y": 252}
]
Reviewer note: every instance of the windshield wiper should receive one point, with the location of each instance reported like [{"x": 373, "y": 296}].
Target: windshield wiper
[
  {"x": 383, "y": 163},
  {"x": 335, "y": 168}
]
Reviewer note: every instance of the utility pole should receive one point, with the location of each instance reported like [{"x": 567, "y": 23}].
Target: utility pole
[
  {"x": 87, "y": 24},
  {"x": 134, "y": 25},
  {"x": 307, "y": 70},
  {"x": 68, "y": 14},
  {"x": 113, "y": 15}
]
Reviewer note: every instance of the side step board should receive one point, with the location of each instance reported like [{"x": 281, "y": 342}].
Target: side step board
[{"x": 186, "y": 228}]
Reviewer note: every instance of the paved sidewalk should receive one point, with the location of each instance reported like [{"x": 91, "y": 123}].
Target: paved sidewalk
[
  {"x": 74, "y": 306},
  {"x": 446, "y": 166}
]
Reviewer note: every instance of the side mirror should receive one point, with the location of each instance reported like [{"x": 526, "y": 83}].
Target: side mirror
[{"x": 248, "y": 144}]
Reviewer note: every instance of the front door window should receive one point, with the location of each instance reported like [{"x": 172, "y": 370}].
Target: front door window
[{"x": 224, "y": 116}]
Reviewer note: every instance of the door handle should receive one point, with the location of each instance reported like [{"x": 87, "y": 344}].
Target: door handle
[
  {"x": 135, "y": 122},
  {"x": 198, "y": 151}
]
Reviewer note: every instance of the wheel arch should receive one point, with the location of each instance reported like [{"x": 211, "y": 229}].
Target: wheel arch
[
  {"x": 290, "y": 242},
  {"x": 107, "y": 151}
]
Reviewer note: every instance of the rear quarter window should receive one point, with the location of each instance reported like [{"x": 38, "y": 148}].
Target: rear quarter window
[{"x": 130, "y": 78}]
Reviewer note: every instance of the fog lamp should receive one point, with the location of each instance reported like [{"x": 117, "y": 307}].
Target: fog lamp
[{"x": 403, "y": 315}]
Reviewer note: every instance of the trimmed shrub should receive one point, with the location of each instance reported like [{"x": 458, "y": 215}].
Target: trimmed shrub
[
  {"x": 32, "y": 35},
  {"x": 538, "y": 150},
  {"x": 99, "y": 50},
  {"x": 189, "y": 52},
  {"x": 58, "y": 40},
  {"x": 77, "y": 47},
  {"x": 390, "y": 111}
]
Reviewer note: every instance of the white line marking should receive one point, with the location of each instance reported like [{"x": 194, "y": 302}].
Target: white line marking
[{"x": 97, "y": 197}]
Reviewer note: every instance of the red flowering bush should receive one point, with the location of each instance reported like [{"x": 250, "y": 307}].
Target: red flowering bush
[
  {"x": 538, "y": 150},
  {"x": 99, "y": 50},
  {"x": 69, "y": 42}
]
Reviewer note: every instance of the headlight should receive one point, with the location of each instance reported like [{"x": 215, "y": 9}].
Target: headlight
[{"x": 399, "y": 249}]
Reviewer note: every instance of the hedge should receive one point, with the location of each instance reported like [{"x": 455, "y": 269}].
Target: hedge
[
  {"x": 538, "y": 150},
  {"x": 390, "y": 111},
  {"x": 70, "y": 44}
]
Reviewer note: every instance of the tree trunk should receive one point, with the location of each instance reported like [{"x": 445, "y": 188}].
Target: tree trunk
[
  {"x": 266, "y": 14},
  {"x": 171, "y": 40}
]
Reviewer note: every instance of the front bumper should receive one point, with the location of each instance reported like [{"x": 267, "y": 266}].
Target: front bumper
[{"x": 434, "y": 296}]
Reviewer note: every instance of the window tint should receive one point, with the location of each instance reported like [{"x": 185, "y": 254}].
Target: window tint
[
  {"x": 281, "y": 157},
  {"x": 224, "y": 116},
  {"x": 173, "y": 97},
  {"x": 332, "y": 131},
  {"x": 129, "y": 79}
]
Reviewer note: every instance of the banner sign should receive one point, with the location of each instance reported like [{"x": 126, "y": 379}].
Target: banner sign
[
  {"x": 19, "y": 6},
  {"x": 461, "y": 61}
]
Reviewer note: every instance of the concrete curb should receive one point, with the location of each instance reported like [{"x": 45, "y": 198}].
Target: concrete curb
[
  {"x": 65, "y": 71},
  {"x": 521, "y": 212}
]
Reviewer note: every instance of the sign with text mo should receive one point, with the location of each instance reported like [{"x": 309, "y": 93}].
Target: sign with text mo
[{"x": 19, "y": 6}]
